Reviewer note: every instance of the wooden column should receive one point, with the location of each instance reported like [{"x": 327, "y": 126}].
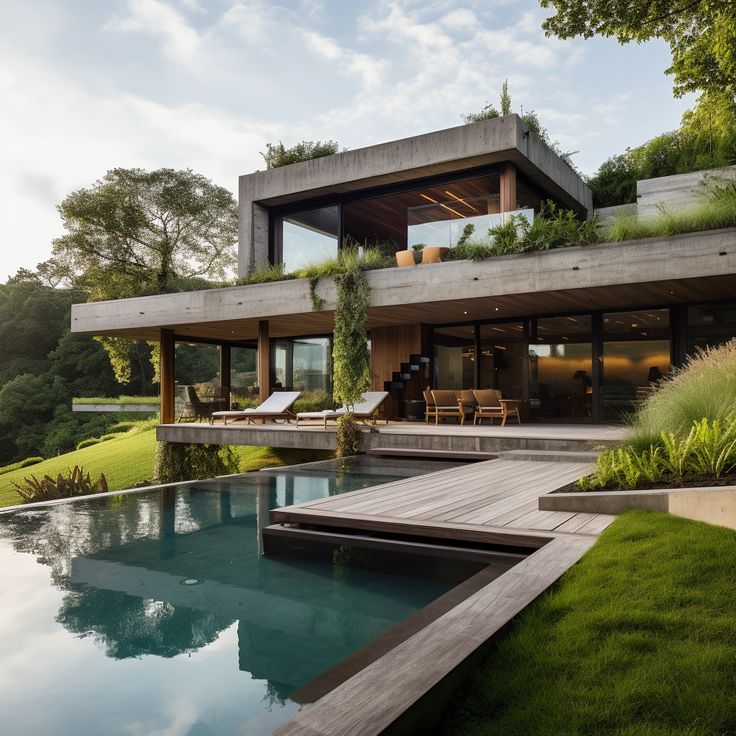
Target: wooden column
[
  {"x": 264, "y": 361},
  {"x": 166, "y": 373},
  {"x": 225, "y": 373},
  {"x": 508, "y": 188}
]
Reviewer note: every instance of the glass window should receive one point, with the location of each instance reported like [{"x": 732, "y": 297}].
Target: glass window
[
  {"x": 454, "y": 357},
  {"x": 560, "y": 380},
  {"x": 710, "y": 324},
  {"x": 302, "y": 364},
  {"x": 309, "y": 237},
  {"x": 636, "y": 354},
  {"x": 502, "y": 349},
  {"x": 243, "y": 372},
  {"x": 573, "y": 328}
]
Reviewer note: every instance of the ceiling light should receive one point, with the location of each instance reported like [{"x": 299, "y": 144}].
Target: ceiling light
[{"x": 462, "y": 201}]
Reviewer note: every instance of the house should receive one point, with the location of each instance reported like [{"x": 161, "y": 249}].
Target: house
[{"x": 578, "y": 334}]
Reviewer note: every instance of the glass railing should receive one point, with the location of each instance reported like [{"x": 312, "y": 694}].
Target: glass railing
[{"x": 446, "y": 233}]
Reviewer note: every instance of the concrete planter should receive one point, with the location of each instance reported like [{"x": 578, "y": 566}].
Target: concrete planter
[{"x": 713, "y": 504}]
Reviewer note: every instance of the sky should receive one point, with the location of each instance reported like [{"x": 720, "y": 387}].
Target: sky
[{"x": 86, "y": 86}]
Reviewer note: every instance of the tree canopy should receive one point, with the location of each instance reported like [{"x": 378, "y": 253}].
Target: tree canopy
[
  {"x": 706, "y": 139},
  {"x": 278, "y": 155},
  {"x": 701, "y": 33},
  {"x": 140, "y": 232}
]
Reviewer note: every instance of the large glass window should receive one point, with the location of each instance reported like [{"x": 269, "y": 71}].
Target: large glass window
[
  {"x": 502, "y": 349},
  {"x": 309, "y": 237},
  {"x": 454, "y": 357},
  {"x": 302, "y": 364},
  {"x": 710, "y": 324},
  {"x": 636, "y": 354}
]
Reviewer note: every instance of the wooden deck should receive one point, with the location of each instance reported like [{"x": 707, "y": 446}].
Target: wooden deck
[{"x": 490, "y": 501}]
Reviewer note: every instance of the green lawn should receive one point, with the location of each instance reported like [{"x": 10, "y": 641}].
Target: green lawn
[
  {"x": 128, "y": 459},
  {"x": 638, "y": 639}
]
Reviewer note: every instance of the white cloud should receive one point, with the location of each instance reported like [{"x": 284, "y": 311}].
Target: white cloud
[{"x": 180, "y": 40}]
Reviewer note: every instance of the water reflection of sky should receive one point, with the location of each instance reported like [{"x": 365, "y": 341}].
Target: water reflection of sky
[{"x": 97, "y": 634}]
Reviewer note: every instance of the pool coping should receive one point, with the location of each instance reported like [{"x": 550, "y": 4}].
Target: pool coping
[{"x": 380, "y": 695}]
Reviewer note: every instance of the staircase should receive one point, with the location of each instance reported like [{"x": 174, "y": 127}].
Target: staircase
[{"x": 408, "y": 382}]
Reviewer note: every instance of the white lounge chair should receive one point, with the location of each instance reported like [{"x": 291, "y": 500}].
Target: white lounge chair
[
  {"x": 276, "y": 406},
  {"x": 372, "y": 400}
]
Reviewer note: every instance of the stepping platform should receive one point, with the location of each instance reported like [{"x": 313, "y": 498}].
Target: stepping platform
[
  {"x": 494, "y": 501},
  {"x": 437, "y": 454},
  {"x": 559, "y": 456}
]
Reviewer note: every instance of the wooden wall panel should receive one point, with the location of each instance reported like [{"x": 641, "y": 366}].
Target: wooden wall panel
[{"x": 392, "y": 346}]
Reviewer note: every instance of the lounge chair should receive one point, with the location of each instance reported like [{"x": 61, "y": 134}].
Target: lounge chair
[
  {"x": 276, "y": 406},
  {"x": 365, "y": 410},
  {"x": 491, "y": 405},
  {"x": 447, "y": 405}
]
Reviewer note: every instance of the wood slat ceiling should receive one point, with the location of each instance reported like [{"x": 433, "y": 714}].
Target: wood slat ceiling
[{"x": 626, "y": 296}]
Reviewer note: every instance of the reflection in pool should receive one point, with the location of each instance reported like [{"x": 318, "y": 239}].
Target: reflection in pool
[{"x": 154, "y": 612}]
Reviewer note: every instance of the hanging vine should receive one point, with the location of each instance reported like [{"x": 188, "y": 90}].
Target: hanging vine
[{"x": 350, "y": 355}]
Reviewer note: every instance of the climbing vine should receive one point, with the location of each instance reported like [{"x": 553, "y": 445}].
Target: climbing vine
[{"x": 350, "y": 356}]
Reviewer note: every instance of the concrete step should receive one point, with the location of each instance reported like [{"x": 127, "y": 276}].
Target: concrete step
[
  {"x": 561, "y": 456},
  {"x": 439, "y": 454}
]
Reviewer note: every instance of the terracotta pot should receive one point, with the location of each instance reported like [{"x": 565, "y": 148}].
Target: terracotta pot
[
  {"x": 433, "y": 253},
  {"x": 404, "y": 258}
]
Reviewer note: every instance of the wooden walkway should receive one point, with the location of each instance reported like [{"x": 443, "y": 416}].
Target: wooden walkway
[{"x": 494, "y": 500}]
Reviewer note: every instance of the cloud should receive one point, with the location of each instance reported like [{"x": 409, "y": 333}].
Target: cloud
[{"x": 180, "y": 41}]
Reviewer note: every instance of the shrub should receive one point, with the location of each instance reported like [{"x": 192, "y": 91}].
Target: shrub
[
  {"x": 106, "y": 437},
  {"x": 121, "y": 427},
  {"x": 175, "y": 462},
  {"x": 278, "y": 155},
  {"x": 704, "y": 388},
  {"x": 76, "y": 483},
  {"x": 87, "y": 443},
  {"x": 314, "y": 401},
  {"x": 30, "y": 461},
  {"x": 348, "y": 436}
]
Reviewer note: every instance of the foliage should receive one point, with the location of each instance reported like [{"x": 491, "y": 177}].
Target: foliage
[
  {"x": 265, "y": 275},
  {"x": 350, "y": 356},
  {"x": 278, "y": 155},
  {"x": 178, "y": 461},
  {"x": 637, "y": 639},
  {"x": 138, "y": 400},
  {"x": 347, "y": 436},
  {"x": 705, "y": 387},
  {"x": 529, "y": 118},
  {"x": 700, "y": 34},
  {"x": 706, "y": 139},
  {"x": 75, "y": 483},
  {"x": 465, "y": 236},
  {"x": 26, "y": 463},
  {"x": 88, "y": 442}
]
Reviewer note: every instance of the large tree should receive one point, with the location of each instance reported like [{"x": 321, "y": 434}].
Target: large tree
[
  {"x": 137, "y": 232},
  {"x": 701, "y": 33},
  {"x": 141, "y": 232}
]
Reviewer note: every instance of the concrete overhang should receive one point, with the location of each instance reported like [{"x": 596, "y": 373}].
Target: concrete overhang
[
  {"x": 651, "y": 272},
  {"x": 441, "y": 152}
]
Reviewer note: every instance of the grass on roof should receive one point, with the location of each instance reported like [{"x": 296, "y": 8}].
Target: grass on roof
[
  {"x": 638, "y": 639},
  {"x": 127, "y": 460}
]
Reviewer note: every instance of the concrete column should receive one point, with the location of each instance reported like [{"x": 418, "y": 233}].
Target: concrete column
[
  {"x": 166, "y": 373},
  {"x": 264, "y": 361},
  {"x": 508, "y": 187}
]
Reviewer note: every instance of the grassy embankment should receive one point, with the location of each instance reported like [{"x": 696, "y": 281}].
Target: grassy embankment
[
  {"x": 638, "y": 639},
  {"x": 127, "y": 459}
]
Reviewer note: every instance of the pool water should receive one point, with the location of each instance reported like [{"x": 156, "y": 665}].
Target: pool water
[{"x": 155, "y": 613}]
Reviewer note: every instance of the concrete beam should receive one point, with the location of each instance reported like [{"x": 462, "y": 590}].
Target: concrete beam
[{"x": 691, "y": 256}]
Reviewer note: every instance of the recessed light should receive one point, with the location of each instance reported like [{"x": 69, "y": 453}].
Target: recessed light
[{"x": 464, "y": 312}]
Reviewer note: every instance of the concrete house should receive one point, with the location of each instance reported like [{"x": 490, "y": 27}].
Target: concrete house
[{"x": 576, "y": 334}]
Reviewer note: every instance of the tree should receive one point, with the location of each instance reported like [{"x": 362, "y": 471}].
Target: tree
[
  {"x": 278, "y": 155},
  {"x": 136, "y": 232},
  {"x": 701, "y": 34},
  {"x": 706, "y": 139}
]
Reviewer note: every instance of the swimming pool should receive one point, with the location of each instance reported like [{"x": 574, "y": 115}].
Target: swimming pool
[{"x": 154, "y": 612}]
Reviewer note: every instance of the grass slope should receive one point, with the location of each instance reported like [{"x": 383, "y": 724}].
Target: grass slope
[
  {"x": 638, "y": 638},
  {"x": 128, "y": 459}
]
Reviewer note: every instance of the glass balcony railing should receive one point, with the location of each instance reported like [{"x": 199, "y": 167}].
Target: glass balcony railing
[{"x": 447, "y": 233}]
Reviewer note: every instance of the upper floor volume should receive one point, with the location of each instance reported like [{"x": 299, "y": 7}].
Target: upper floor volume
[{"x": 427, "y": 189}]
